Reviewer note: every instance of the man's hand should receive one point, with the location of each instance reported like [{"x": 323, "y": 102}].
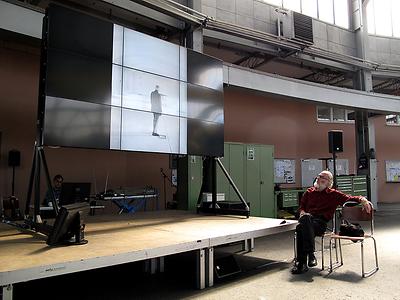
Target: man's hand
[
  {"x": 366, "y": 205},
  {"x": 303, "y": 213}
]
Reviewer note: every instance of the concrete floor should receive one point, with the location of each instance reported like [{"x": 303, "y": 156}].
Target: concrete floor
[{"x": 266, "y": 274}]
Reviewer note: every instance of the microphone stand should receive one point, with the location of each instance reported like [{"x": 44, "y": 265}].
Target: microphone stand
[{"x": 165, "y": 177}]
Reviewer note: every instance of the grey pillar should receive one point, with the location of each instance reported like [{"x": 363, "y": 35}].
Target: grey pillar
[
  {"x": 194, "y": 37},
  {"x": 364, "y": 127}
]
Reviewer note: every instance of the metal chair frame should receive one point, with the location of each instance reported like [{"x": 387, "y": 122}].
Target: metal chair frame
[
  {"x": 328, "y": 232},
  {"x": 354, "y": 213}
]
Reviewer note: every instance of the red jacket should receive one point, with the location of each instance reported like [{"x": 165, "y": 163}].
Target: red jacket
[{"x": 324, "y": 203}]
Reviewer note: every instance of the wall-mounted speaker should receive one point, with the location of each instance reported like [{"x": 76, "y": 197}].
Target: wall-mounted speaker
[{"x": 335, "y": 141}]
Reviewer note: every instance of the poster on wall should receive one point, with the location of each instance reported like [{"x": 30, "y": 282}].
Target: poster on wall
[
  {"x": 392, "y": 170},
  {"x": 284, "y": 171},
  {"x": 310, "y": 168},
  {"x": 342, "y": 166}
]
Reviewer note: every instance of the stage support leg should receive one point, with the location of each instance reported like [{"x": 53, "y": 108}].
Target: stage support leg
[
  {"x": 7, "y": 292},
  {"x": 154, "y": 265},
  {"x": 210, "y": 266},
  {"x": 161, "y": 264},
  {"x": 248, "y": 245},
  {"x": 200, "y": 269}
]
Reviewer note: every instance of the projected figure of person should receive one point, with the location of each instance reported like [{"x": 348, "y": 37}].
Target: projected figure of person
[{"x": 156, "y": 108}]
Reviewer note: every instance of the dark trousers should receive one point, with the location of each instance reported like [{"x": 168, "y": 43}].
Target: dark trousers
[{"x": 308, "y": 228}]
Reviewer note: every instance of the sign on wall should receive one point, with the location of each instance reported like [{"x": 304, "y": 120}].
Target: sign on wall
[
  {"x": 310, "y": 168},
  {"x": 284, "y": 171},
  {"x": 392, "y": 170}
]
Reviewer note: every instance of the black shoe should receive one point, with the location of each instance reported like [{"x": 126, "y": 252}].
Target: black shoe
[
  {"x": 312, "y": 261},
  {"x": 299, "y": 268},
  {"x": 155, "y": 134}
]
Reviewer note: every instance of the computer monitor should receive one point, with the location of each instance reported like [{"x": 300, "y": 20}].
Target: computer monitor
[
  {"x": 74, "y": 192},
  {"x": 69, "y": 227}
]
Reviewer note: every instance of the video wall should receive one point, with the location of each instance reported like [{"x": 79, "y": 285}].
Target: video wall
[{"x": 110, "y": 87}]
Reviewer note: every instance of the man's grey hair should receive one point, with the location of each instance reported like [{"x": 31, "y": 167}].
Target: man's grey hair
[{"x": 330, "y": 177}]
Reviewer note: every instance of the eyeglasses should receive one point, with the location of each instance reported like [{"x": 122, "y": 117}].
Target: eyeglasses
[{"x": 323, "y": 177}]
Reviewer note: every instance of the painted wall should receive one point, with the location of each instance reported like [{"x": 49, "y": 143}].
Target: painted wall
[
  {"x": 291, "y": 126},
  {"x": 387, "y": 148}
]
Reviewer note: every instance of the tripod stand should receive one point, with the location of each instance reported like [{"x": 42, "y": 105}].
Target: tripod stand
[{"x": 38, "y": 160}]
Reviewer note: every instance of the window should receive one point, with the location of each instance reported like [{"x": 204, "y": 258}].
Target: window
[
  {"x": 325, "y": 10},
  {"x": 371, "y": 17},
  {"x": 342, "y": 13},
  {"x": 334, "y": 114},
  {"x": 292, "y": 5},
  {"x": 382, "y": 17},
  {"x": 274, "y": 2},
  {"x": 396, "y": 20},
  {"x": 339, "y": 115},
  {"x": 324, "y": 113},
  {"x": 331, "y": 11},
  {"x": 351, "y": 115},
  {"x": 310, "y": 8},
  {"x": 393, "y": 120}
]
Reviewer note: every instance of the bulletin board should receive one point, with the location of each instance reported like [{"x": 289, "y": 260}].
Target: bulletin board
[
  {"x": 284, "y": 171},
  {"x": 392, "y": 170},
  {"x": 310, "y": 168},
  {"x": 342, "y": 166}
]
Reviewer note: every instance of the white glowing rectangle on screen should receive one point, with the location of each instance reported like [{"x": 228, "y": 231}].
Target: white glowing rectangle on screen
[{"x": 143, "y": 52}]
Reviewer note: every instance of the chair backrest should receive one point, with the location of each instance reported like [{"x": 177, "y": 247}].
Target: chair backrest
[{"x": 357, "y": 213}]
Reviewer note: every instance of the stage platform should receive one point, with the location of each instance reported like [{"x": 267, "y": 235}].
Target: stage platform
[{"x": 119, "y": 239}]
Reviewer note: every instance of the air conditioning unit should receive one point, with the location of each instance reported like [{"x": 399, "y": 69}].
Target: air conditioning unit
[{"x": 296, "y": 26}]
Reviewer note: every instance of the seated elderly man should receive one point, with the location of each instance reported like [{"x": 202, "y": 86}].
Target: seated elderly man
[{"x": 317, "y": 207}]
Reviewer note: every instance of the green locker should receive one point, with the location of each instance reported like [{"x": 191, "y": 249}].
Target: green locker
[
  {"x": 223, "y": 185},
  {"x": 353, "y": 185},
  {"x": 345, "y": 184},
  {"x": 267, "y": 199},
  {"x": 236, "y": 170},
  {"x": 250, "y": 167},
  {"x": 360, "y": 186},
  {"x": 253, "y": 179},
  {"x": 190, "y": 176},
  {"x": 196, "y": 178}
]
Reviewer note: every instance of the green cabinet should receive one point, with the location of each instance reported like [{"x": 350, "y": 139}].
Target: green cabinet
[
  {"x": 190, "y": 176},
  {"x": 260, "y": 180},
  {"x": 353, "y": 185},
  {"x": 360, "y": 186},
  {"x": 236, "y": 169},
  {"x": 250, "y": 167}
]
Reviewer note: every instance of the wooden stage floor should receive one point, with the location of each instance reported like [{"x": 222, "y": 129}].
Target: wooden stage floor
[{"x": 118, "y": 239}]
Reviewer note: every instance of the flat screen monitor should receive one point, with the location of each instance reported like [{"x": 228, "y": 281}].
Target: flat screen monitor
[
  {"x": 74, "y": 192},
  {"x": 110, "y": 87},
  {"x": 69, "y": 225}
]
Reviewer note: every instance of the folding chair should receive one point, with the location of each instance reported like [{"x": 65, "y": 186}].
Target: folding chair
[
  {"x": 355, "y": 214},
  {"x": 328, "y": 232}
]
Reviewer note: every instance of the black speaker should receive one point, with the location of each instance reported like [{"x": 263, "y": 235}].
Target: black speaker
[
  {"x": 335, "y": 141},
  {"x": 14, "y": 158}
]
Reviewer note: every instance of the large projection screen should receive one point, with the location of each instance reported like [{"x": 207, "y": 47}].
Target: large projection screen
[{"x": 110, "y": 87}]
